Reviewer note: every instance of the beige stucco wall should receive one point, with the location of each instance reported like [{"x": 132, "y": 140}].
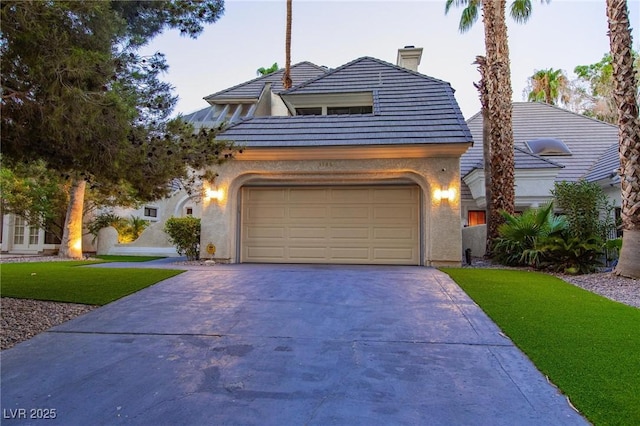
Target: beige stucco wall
[
  {"x": 441, "y": 233},
  {"x": 475, "y": 238},
  {"x": 153, "y": 241}
]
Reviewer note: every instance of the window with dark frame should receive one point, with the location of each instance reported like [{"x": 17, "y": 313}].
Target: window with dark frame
[
  {"x": 364, "y": 109},
  {"x": 309, "y": 111},
  {"x": 151, "y": 211},
  {"x": 189, "y": 211}
]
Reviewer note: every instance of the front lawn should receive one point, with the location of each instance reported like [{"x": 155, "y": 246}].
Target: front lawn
[
  {"x": 67, "y": 282},
  {"x": 588, "y": 346}
]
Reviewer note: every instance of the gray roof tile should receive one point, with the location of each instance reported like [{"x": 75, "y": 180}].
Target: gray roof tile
[
  {"x": 606, "y": 166},
  {"x": 586, "y": 137},
  {"x": 252, "y": 89},
  {"x": 411, "y": 109}
]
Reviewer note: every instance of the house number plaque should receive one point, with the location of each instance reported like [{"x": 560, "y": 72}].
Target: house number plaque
[{"x": 326, "y": 164}]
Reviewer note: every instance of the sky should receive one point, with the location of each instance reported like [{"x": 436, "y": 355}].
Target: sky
[{"x": 560, "y": 34}]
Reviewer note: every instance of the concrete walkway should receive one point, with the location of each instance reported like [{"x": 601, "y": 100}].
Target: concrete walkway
[{"x": 282, "y": 345}]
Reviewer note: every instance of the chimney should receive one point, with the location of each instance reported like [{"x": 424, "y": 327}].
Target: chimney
[{"x": 409, "y": 57}]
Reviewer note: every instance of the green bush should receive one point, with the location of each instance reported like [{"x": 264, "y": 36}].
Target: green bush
[
  {"x": 571, "y": 255},
  {"x": 184, "y": 233},
  {"x": 519, "y": 235},
  {"x": 587, "y": 209}
]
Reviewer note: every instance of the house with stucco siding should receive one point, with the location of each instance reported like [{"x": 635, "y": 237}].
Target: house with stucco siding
[
  {"x": 355, "y": 165},
  {"x": 551, "y": 145}
]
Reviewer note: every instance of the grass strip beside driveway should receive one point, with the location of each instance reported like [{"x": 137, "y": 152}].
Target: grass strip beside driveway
[
  {"x": 588, "y": 345},
  {"x": 66, "y": 282}
]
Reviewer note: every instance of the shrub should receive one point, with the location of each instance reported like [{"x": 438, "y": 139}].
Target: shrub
[
  {"x": 571, "y": 255},
  {"x": 587, "y": 209},
  {"x": 184, "y": 233},
  {"x": 519, "y": 235}
]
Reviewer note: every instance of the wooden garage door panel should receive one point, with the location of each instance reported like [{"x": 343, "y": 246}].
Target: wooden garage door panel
[
  {"x": 350, "y": 212},
  {"x": 362, "y": 225},
  {"x": 308, "y": 195},
  {"x": 307, "y": 212},
  {"x": 264, "y": 213},
  {"x": 351, "y": 195},
  {"x": 343, "y": 233},
  {"x": 269, "y": 195},
  {"x": 393, "y": 234},
  {"x": 311, "y": 232},
  {"x": 393, "y": 254},
  {"x": 255, "y": 232}
]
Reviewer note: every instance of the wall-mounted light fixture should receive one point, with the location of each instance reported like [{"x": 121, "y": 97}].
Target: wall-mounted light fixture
[
  {"x": 214, "y": 194},
  {"x": 444, "y": 194}
]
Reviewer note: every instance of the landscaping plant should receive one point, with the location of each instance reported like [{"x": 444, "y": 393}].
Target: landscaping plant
[
  {"x": 184, "y": 233},
  {"x": 520, "y": 235},
  {"x": 586, "y": 207},
  {"x": 570, "y": 255},
  {"x": 128, "y": 230}
]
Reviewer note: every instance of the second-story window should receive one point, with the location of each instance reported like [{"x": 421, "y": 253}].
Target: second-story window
[
  {"x": 350, "y": 110},
  {"x": 309, "y": 111}
]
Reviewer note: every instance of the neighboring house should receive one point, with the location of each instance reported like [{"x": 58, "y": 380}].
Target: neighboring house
[
  {"x": 357, "y": 165},
  {"x": 153, "y": 241},
  {"x": 18, "y": 237},
  {"x": 551, "y": 145}
]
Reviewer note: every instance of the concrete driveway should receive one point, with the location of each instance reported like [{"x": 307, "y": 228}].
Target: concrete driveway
[{"x": 282, "y": 345}]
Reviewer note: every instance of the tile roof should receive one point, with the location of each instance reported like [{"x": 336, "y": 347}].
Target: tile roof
[
  {"x": 606, "y": 166},
  {"x": 252, "y": 89},
  {"x": 411, "y": 108},
  {"x": 586, "y": 137}
]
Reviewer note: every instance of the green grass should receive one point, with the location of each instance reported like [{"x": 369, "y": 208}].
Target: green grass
[
  {"x": 114, "y": 258},
  {"x": 588, "y": 345},
  {"x": 66, "y": 282}
]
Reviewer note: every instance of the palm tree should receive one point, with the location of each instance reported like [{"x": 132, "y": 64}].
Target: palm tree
[
  {"x": 266, "y": 71},
  {"x": 497, "y": 75},
  {"x": 286, "y": 77},
  {"x": 549, "y": 86},
  {"x": 625, "y": 96}
]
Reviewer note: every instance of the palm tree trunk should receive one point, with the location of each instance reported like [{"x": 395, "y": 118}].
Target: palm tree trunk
[
  {"x": 71, "y": 245},
  {"x": 624, "y": 94},
  {"x": 286, "y": 77},
  {"x": 500, "y": 107},
  {"x": 486, "y": 140}
]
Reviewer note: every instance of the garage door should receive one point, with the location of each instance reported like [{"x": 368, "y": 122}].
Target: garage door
[{"x": 355, "y": 225}]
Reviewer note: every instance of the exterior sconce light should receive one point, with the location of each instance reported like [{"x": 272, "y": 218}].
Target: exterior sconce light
[
  {"x": 444, "y": 194},
  {"x": 214, "y": 194}
]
